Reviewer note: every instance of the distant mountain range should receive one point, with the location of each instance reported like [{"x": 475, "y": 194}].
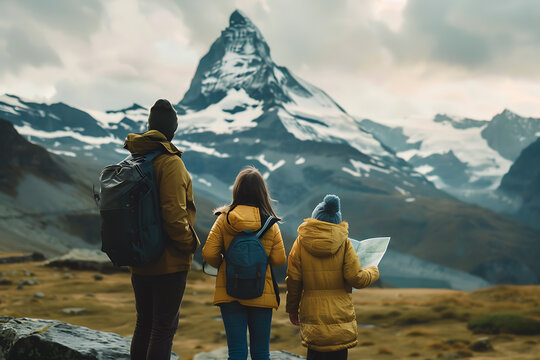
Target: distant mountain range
[
  {"x": 464, "y": 157},
  {"x": 243, "y": 109}
]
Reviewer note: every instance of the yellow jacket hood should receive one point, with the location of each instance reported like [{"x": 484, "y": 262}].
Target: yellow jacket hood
[
  {"x": 321, "y": 238},
  {"x": 242, "y": 217},
  {"x": 149, "y": 141}
]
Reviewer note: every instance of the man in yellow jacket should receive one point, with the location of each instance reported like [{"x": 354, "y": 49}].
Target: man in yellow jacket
[
  {"x": 322, "y": 270},
  {"x": 159, "y": 286}
]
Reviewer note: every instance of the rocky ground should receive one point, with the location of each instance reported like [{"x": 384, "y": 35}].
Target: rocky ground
[{"x": 394, "y": 323}]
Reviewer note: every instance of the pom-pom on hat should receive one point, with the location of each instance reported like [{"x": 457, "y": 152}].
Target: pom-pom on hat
[
  {"x": 163, "y": 118},
  {"x": 329, "y": 210}
]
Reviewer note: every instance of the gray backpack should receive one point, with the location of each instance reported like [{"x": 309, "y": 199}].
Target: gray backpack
[{"x": 128, "y": 201}]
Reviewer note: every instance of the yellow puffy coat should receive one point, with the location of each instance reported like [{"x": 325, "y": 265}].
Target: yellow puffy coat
[
  {"x": 323, "y": 268},
  {"x": 242, "y": 218},
  {"x": 176, "y": 201}
]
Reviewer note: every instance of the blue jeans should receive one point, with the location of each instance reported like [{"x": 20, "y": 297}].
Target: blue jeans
[{"x": 237, "y": 319}]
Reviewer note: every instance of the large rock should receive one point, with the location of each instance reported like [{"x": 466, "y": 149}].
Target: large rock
[
  {"x": 85, "y": 259},
  {"x": 222, "y": 354},
  {"x": 23, "y": 338}
]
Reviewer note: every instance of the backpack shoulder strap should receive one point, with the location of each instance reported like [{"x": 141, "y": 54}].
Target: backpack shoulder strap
[
  {"x": 271, "y": 220},
  {"x": 153, "y": 154},
  {"x": 267, "y": 225}
]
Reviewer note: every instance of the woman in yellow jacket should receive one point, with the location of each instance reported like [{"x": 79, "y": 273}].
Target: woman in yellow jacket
[
  {"x": 322, "y": 270},
  {"x": 249, "y": 208}
]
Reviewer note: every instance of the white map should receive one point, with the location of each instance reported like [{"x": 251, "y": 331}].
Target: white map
[
  {"x": 209, "y": 269},
  {"x": 370, "y": 251}
]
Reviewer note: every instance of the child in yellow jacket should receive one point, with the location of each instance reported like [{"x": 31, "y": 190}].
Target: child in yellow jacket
[{"x": 322, "y": 270}]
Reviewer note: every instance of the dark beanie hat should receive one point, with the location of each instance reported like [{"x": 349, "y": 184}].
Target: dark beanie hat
[
  {"x": 329, "y": 210},
  {"x": 163, "y": 118}
]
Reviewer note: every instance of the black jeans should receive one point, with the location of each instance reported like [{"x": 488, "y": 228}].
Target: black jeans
[
  {"x": 333, "y": 355},
  {"x": 157, "y": 300}
]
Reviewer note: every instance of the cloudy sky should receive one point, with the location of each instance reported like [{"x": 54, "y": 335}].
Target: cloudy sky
[{"x": 382, "y": 59}]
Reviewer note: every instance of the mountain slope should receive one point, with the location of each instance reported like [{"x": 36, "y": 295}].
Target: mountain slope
[
  {"x": 523, "y": 182},
  {"x": 44, "y": 206},
  {"x": 509, "y": 133},
  {"x": 18, "y": 156}
]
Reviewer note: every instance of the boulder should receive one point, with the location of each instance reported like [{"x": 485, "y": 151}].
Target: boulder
[
  {"x": 481, "y": 345},
  {"x": 222, "y": 354},
  {"x": 23, "y": 338},
  {"x": 85, "y": 259},
  {"x": 74, "y": 311}
]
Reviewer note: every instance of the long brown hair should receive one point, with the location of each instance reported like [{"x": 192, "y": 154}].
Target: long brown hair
[{"x": 250, "y": 189}]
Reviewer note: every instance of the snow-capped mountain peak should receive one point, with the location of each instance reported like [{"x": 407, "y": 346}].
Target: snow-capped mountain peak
[
  {"x": 239, "y": 58},
  {"x": 239, "y": 63}
]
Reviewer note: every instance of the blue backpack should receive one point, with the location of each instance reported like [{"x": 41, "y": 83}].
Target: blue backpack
[
  {"x": 128, "y": 200},
  {"x": 247, "y": 263}
]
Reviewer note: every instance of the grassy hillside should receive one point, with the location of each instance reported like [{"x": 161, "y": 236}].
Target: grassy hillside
[{"x": 393, "y": 323}]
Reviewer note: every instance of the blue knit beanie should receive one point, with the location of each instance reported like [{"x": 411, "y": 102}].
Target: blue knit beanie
[{"x": 329, "y": 210}]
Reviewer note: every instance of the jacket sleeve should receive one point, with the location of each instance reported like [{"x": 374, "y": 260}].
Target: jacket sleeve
[
  {"x": 212, "y": 249},
  {"x": 352, "y": 271},
  {"x": 277, "y": 256},
  {"x": 294, "y": 279},
  {"x": 174, "y": 181}
]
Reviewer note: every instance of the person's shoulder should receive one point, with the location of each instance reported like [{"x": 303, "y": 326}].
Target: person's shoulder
[
  {"x": 167, "y": 160},
  {"x": 274, "y": 230}
]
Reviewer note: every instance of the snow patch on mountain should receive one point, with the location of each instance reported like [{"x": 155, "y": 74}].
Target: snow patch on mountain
[
  {"x": 339, "y": 129},
  {"x": 424, "y": 169},
  {"x": 204, "y": 181},
  {"x": 191, "y": 146},
  {"x": 112, "y": 118},
  {"x": 234, "y": 113},
  {"x": 269, "y": 165},
  {"x": 11, "y": 103},
  {"x": 363, "y": 169},
  {"x": 104, "y": 118},
  {"x": 28, "y": 131},
  {"x": 402, "y": 191},
  {"x": 65, "y": 153}
]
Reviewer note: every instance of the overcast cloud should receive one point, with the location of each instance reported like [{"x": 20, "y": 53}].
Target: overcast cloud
[{"x": 377, "y": 58}]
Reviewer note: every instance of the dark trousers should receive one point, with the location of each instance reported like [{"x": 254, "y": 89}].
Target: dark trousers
[
  {"x": 157, "y": 300},
  {"x": 237, "y": 318},
  {"x": 333, "y": 355}
]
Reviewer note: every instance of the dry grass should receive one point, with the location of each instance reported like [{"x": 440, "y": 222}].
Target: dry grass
[{"x": 393, "y": 323}]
